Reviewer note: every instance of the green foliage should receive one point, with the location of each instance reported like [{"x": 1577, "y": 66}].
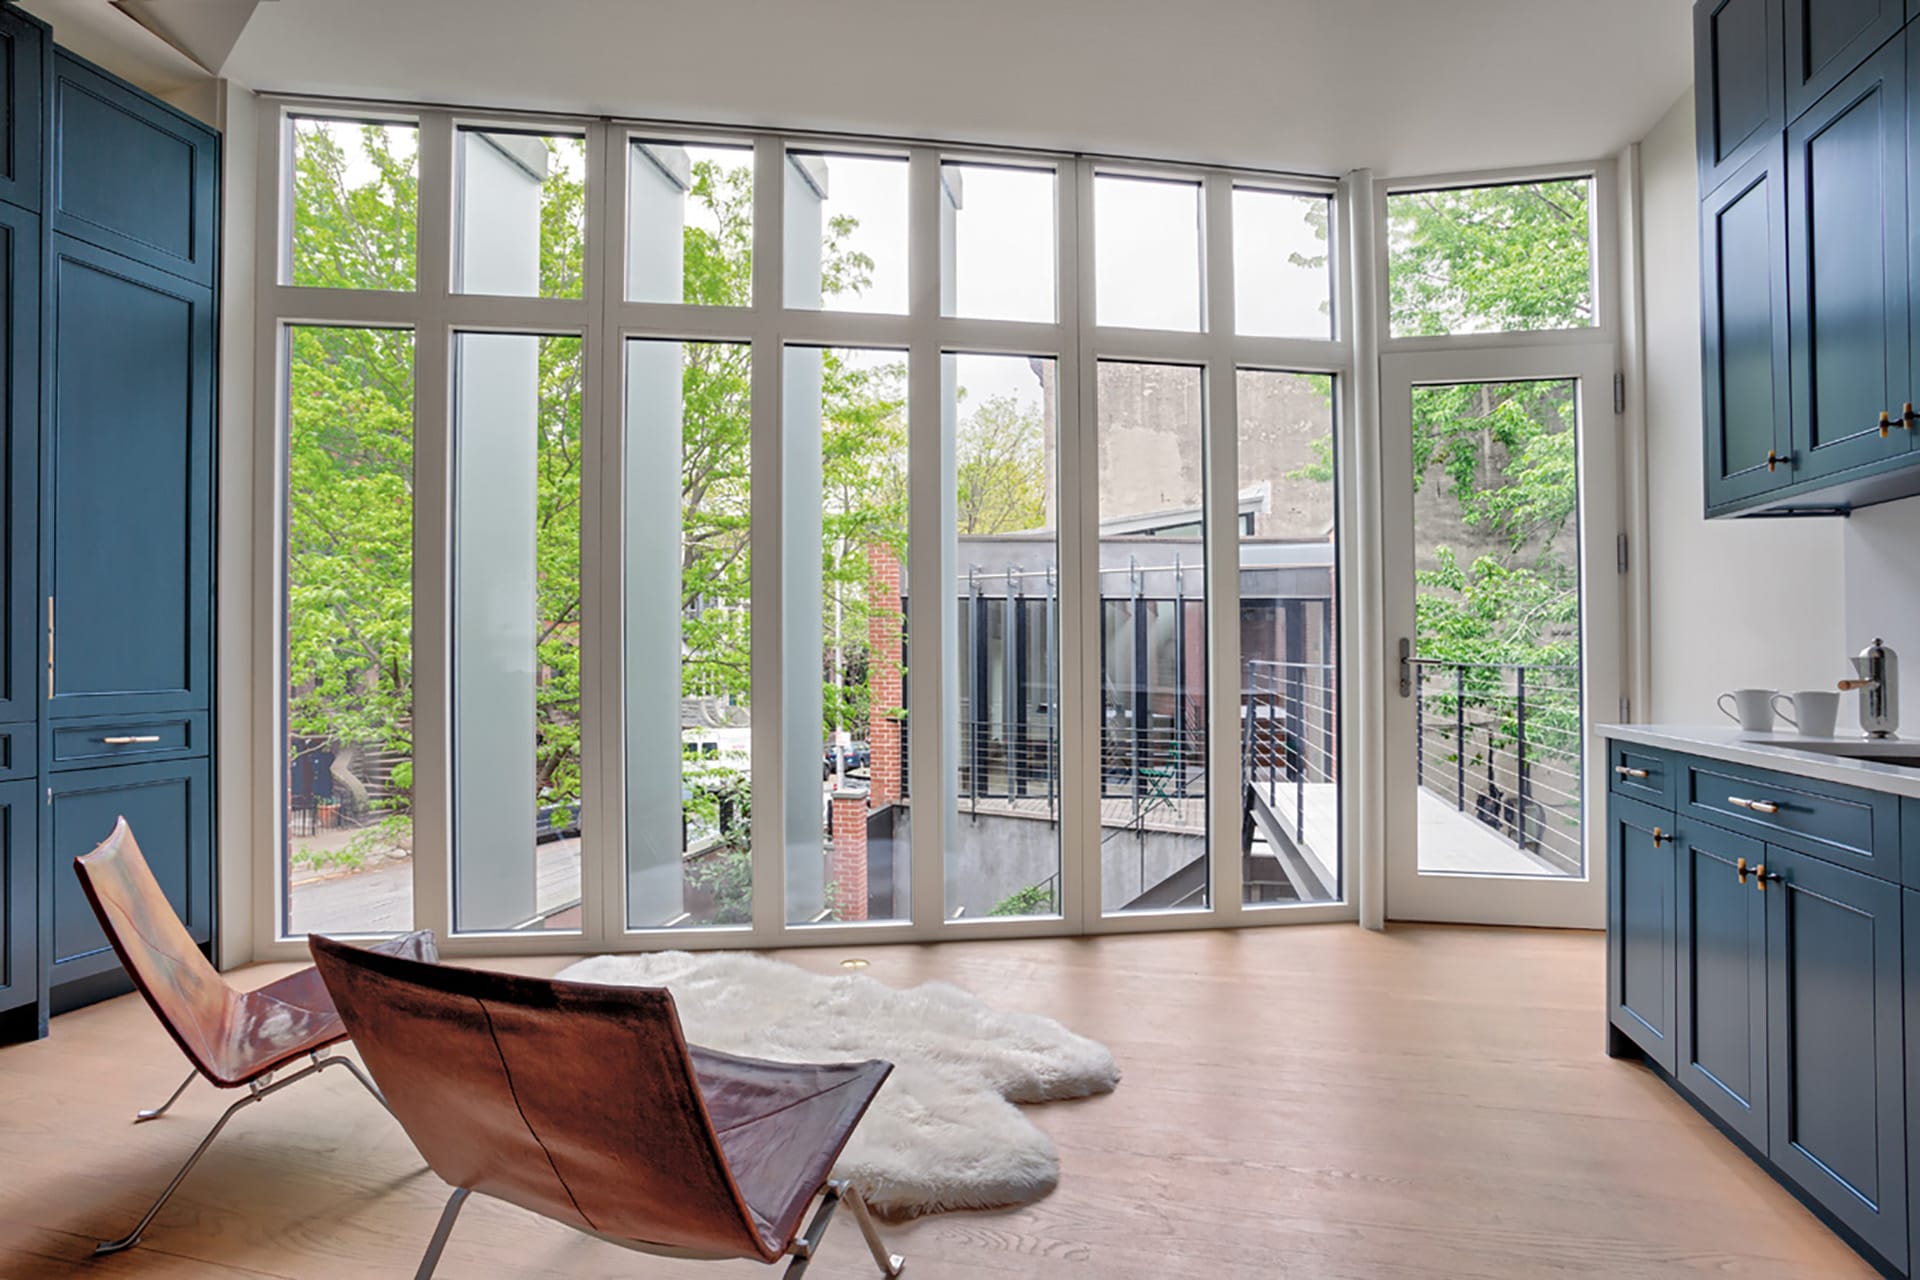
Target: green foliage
[
  {"x": 1483, "y": 259},
  {"x": 1034, "y": 900},
  {"x": 1000, "y": 468}
]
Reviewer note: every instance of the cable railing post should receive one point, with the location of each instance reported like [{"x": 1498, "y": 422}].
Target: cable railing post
[
  {"x": 1460, "y": 736},
  {"x": 1520, "y": 755}
]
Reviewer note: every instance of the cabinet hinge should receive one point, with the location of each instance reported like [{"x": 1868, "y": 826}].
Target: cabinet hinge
[
  {"x": 1620, "y": 553},
  {"x": 1619, "y": 393}
]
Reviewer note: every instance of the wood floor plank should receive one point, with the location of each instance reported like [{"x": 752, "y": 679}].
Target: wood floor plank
[{"x": 1315, "y": 1102}]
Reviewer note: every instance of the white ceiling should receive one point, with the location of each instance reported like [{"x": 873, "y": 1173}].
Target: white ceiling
[{"x": 1402, "y": 86}]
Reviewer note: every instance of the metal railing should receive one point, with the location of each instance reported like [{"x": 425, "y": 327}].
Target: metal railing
[
  {"x": 1289, "y": 733},
  {"x": 1501, "y": 742}
]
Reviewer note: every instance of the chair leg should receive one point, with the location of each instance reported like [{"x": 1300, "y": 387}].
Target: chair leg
[
  {"x": 154, "y": 1113},
  {"x": 438, "y": 1244},
  {"x": 891, "y": 1264},
  {"x": 359, "y": 1075},
  {"x": 263, "y": 1087},
  {"x": 808, "y": 1242},
  {"x": 133, "y": 1237}
]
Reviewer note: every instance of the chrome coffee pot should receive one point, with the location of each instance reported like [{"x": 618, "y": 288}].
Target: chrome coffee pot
[{"x": 1879, "y": 686}]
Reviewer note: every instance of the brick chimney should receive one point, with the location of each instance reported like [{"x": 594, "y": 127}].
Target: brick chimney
[
  {"x": 884, "y": 727},
  {"x": 848, "y": 867}
]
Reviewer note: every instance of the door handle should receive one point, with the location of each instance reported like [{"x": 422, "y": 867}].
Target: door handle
[{"x": 1406, "y": 667}]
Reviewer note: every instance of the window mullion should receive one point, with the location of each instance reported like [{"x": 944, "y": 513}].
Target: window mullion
[
  {"x": 1221, "y": 505},
  {"x": 768, "y": 619},
  {"x": 433, "y": 504},
  {"x": 933, "y": 726}
]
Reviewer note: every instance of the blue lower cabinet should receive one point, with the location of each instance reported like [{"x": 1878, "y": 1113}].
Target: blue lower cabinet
[
  {"x": 19, "y": 900},
  {"x": 169, "y": 808},
  {"x": 1910, "y": 930},
  {"x": 1720, "y": 1011},
  {"x": 1835, "y": 1063},
  {"x": 1640, "y": 926}
]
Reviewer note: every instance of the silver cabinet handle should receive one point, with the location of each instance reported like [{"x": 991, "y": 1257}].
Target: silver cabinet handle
[
  {"x": 1627, "y": 771},
  {"x": 123, "y": 741},
  {"x": 1758, "y": 806}
]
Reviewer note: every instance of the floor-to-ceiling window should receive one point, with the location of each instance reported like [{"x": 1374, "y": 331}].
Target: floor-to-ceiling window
[{"x": 734, "y": 537}]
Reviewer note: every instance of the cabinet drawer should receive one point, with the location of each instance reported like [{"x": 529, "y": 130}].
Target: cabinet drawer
[
  {"x": 111, "y": 741},
  {"x": 1856, "y": 829},
  {"x": 1644, "y": 773}
]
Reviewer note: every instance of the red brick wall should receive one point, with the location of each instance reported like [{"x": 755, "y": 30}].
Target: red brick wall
[
  {"x": 884, "y": 728},
  {"x": 848, "y": 861}
]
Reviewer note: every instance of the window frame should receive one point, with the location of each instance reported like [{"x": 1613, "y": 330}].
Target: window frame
[{"x": 605, "y": 319}]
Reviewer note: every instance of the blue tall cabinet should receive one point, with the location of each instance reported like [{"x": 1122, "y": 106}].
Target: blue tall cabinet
[{"x": 109, "y": 240}]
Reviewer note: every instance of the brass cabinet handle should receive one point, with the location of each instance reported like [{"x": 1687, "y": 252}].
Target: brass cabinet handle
[
  {"x": 1628, "y": 772},
  {"x": 1761, "y": 875},
  {"x": 122, "y": 741},
  {"x": 1886, "y": 424},
  {"x": 1907, "y": 416},
  {"x": 1740, "y": 870},
  {"x": 1758, "y": 806},
  {"x": 1775, "y": 459},
  {"x": 1661, "y": 837}
]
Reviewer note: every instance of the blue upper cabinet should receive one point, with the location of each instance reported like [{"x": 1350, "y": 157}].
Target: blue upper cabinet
[
  {"x": 1738, "y": 65},
  {"x": 23, "y": 58},
  {"x": 1847, "y": 271},
  {"x": 1744, "y": 348},
  {"x": 132, "y": 175},
  {"x": 1827, "y": 39},
  {"x": 127, "y": 490},
  {"x": 1836, "y": 1083}
]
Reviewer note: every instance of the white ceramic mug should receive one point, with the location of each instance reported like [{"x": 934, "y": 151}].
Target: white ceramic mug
[
  {"x": 1752, "y": 708},
  {"x": 1815, "y": 711}
]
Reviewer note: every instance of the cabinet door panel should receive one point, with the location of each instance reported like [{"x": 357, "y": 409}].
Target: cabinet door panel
[
  {"x": 19, "y": 450},
  {"x": 1721, "y": 947},
  {"x": 1739, "y": 69},
  {"x": 131, "y": 174},
  {"x": 19, "y": 899},
  {"x": 1835, "y": 1068},
  {"x": 1826, "y": 39},
  {"x": 1640, "y": 926},
  {"x": 127, "y": 536},
  {"x": 23, "y": 53},
  {"x": 1744, "y": 351},
  {"x": 1847, "y": 223},
  {"x": 167, "y": 805}
]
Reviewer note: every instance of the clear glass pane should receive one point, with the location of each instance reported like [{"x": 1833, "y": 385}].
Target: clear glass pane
[
  {"x": 998, "y": 226},
  {"x": 1491, "y": 259},
  {"x": 349, "y": 636},
  {"x": 1153, "y": 639},
  {"x": 1497, "y": 571},
  {"x": 689, "y": 645},
  {"x": 356, "y": 196},
  {"x": 1146, "y": 252},
  {"x": 846, "y": 232},
  {"x": 690, "y": 223},
  {"x": 1282, "y": 273},
  {"x": 1004, "y": 856},
  {"x": 521, "y": 229},
  {"x": 844, "y": 556},
  {"x": 516, "y": 632},
  {"x": 1289, "y": 662}
]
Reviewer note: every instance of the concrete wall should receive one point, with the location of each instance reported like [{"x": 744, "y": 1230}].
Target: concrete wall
[{"x": 1734, "y": 602}]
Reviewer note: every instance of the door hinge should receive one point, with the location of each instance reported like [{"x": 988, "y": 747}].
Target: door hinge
[
  {"x": 1626, "y": 709},
  {"x": 1619, "y": 393},
  {"x": 1620, "y": 553}
]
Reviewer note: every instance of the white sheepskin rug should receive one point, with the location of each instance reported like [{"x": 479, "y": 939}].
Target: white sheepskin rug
[{"x": 944, "y": 1132}]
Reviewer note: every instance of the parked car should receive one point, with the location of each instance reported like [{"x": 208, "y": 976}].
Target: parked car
[{"x": 856, "y": 755}]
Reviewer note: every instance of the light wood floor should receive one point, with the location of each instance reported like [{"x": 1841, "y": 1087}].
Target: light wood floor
[{"x": 1312, "y": 1102}]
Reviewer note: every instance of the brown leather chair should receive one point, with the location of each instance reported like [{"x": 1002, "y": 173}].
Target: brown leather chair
[
  {"x": 585, "y": 1104},
  {"x": 233, "y": 1038}
]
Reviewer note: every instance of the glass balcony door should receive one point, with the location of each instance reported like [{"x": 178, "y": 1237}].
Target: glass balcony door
[{"x": 1503, "y": 616}]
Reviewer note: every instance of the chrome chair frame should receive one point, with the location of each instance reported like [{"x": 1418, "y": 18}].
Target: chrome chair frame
[
  {"x": 258, "y": 1089},
  {"x": 801, "y": 1250}
]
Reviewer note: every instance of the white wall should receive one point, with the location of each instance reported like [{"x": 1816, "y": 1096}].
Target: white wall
[
  {"x": 1734, "y": 602},
  {"x": 1883, "y": 593}
]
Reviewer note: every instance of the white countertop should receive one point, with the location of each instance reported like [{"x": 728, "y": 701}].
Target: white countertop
[{"x": 1826, "y": 759}]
